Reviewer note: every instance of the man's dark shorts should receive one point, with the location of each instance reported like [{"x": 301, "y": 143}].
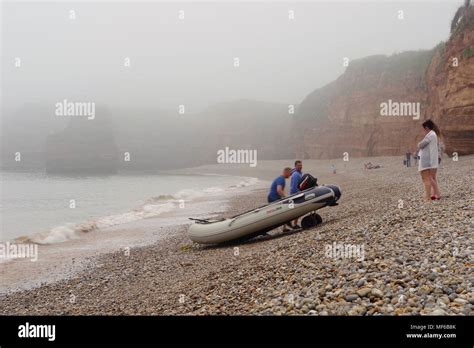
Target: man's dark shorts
[{"x": 271, "y": 200}]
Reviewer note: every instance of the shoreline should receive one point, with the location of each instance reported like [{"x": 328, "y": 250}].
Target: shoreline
[
  {"x": 154, "y": 198},
  {"x": 416, "y": 258},
  {"x": 63, "y": 260}
]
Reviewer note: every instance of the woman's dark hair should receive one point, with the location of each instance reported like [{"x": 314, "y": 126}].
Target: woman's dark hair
[{"x": 431, "y": 125}]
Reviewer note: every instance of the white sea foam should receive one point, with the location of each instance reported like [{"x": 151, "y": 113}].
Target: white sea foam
[
  {"x": 248, "y": 182},
  {"x": 151, "y": 208},
  {"x": 56, "y": 235}
]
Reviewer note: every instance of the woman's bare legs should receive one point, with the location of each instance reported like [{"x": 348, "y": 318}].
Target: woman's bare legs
[
  {"x": 434, "y": 183},
  {"x": 426, "y": 177}
]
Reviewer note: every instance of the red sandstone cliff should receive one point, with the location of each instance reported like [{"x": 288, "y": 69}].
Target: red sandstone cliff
[
  {"x": 450, "y": 81},
  {"x": 345, "y": 116}
]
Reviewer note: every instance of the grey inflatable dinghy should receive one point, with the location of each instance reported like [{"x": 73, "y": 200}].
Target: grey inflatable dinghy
[{"x": 261, "y": 220}]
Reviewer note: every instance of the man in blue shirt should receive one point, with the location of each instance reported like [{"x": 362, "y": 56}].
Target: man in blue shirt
[
  {"x": 296, "y": 175},
  {"x": 277, "y": 189}
]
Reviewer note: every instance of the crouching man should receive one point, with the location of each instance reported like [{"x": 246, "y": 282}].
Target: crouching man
[
  {"x": 295, "y": 180},
  {"x": 277, "y": 190}
]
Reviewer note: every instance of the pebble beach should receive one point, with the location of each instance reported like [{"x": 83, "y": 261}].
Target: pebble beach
[{"x": 381, "y": 251}]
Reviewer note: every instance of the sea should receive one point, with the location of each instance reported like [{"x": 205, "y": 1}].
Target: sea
[{"x": 49, "y": 209}]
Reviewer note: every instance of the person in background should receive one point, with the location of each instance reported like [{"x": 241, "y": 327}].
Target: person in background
[
  {"x": 429, "y": 160},
  {"x": 441, "y": 150},
  {"x": 415, "y": 157},
  {"x": 296, "y": 175},
  {"x": 277, "y": 190},
  {"x": 408, "y": 159},
  {"x": 441, "y": 147}
]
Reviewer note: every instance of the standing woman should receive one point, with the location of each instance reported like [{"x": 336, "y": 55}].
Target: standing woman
[
  {"x": 441, "y": 149},
  {"x": 428, "y": 164}
]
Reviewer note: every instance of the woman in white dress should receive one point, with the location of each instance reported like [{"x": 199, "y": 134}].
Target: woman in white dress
[
  {"x": 441, "y": 149},
  {"x": 428, "y": 163}
]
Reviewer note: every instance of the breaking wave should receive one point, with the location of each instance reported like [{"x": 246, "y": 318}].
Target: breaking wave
[{"x": 151, "y": 208}]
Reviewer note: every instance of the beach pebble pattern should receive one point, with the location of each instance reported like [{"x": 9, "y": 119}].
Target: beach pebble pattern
[{"x": 418, "y": 259}]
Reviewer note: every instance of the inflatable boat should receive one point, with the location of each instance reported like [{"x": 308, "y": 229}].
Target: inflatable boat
[{"x": 261, "y": 220}]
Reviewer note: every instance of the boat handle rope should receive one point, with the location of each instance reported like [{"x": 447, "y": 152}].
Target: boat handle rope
[
  {"x": 286, "y": 201},
  {"x": 250, "y": 212}
]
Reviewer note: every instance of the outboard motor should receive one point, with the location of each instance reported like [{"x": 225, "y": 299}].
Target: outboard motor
[
  {"x": 307, "y": 181},
  {"x": 337, "y": 193}
]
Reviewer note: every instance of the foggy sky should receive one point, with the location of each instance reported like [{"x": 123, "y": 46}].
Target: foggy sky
[{"x": 190, "y": 61}]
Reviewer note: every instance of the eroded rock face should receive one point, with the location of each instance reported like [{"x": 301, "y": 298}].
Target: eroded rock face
[
  {"x": 350, "y": 119},
  {"x": 450, "y": 81},
  {"x": 345, "y": 116}
]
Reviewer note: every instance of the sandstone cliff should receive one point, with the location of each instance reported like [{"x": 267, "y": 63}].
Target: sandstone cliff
[
  {"x": 345, "y": 116},
  {"x": 450, "y": 81}
]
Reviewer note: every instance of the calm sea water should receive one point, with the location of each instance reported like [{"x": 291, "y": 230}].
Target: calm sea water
[{"x": 56, "y": 206}]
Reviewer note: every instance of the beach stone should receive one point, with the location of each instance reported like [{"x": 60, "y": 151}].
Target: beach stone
[
  {"x": 364, "y": 292},
  {"x": 426, "y": 289},
  {"x": 357, "y": 310},
  {"x": 438, "y": 311},
  {"x": 448, "y": 290},
  {"x": 461, "y": 301},
  {"x": 429, "y": 305},
  {"x": 452, "y": 297},
  {"x": 377, "y": 292},
  {"x": 445, "y": 299},
  {"x": 351, "y": 297}
]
